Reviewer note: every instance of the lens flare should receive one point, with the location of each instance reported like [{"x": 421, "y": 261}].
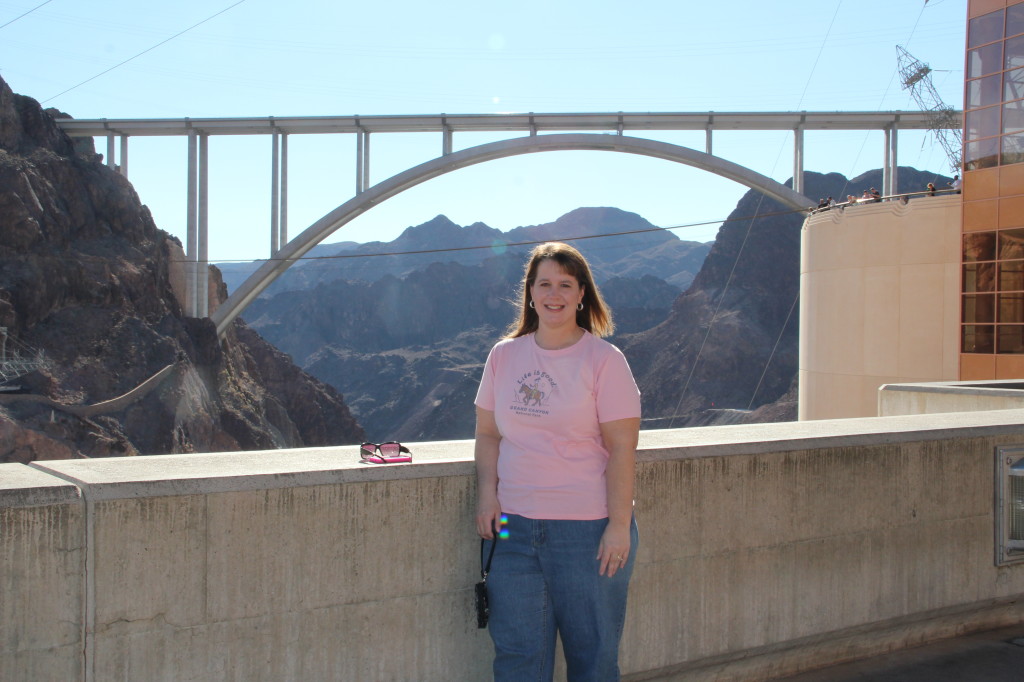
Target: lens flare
[{"x": 503, "y": 532}]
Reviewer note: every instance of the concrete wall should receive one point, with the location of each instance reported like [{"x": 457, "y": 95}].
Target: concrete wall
[
  {"x": 879, "y": 302},
  {"x": 950, "y": 396},
  {"x": 765, "y": 550}
]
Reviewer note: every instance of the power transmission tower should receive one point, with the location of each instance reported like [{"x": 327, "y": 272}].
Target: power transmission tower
[{"x": 942, "y": 118}]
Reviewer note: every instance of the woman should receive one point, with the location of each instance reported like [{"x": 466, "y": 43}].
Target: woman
[{"x": 558, "y": 418}]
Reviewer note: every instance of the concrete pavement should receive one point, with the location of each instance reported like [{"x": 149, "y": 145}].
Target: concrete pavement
[{"x": 992, "y": 656}]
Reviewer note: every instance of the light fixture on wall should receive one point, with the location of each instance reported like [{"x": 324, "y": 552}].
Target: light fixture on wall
[{"x": 1009, "y": 504}]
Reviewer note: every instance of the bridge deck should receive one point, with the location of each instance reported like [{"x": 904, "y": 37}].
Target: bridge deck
[{"x": 708, "y": 120}]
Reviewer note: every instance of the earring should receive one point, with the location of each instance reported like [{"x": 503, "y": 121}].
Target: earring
[
  {"x": 579, "y": 306},
  {"x": 531, "y": 305}
]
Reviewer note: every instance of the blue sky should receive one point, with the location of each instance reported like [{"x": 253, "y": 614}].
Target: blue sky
[{"x": 322, "y": 57}]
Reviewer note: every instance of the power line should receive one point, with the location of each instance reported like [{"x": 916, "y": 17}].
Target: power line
[
  {"x": 502, "y": 245},
  {"x": 743, "y": 244},
  {"x": 25, "y": 14},
  {"x": 148, "y": 49}
]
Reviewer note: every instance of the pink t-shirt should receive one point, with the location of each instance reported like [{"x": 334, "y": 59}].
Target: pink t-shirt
[{"x": 548, "y": 405}]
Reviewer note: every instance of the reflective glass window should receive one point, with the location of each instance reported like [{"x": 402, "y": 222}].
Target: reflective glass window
[
  {"x": 981, "y": 153},
  {"x": 977, "y": 339},
  {"x": 982, "y": 123},
  {"x": 1013, "y": 149},
  {"x": 1011, "y": 244},
  {"x": 1013, "y": 116},
  {"x": 979, "y": 309},
  {"x": 1013, "y": 86},
  {"x": 1011, "y": 308},
  {"x": 979, "y": 277},
  {"x": 985, "y": 60},
  {"x": 1011, "y": 339},
  {"x": 1011, "y": 276},
  {"x": 1014, "y": 20},
  {"x": 985, "y": 29},
  {"x": 1014, "y": 52},
  {"x": 979, "y": 246},
  {"x": 985, "y": 91}
]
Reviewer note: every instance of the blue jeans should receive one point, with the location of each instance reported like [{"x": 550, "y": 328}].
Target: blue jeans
[{"x": 544, "y": 580}]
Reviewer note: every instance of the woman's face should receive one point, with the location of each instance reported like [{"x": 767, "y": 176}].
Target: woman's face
[{"x": 555, "y": 295}]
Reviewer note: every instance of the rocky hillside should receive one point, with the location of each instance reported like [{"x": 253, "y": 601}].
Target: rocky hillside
[{"x": 87, "y": 278}]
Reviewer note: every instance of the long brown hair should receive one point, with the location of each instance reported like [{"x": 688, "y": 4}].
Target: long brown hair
[{"x": 596, "y": 316}]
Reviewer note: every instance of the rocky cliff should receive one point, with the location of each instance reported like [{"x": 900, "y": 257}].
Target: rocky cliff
[
  {"x": 86, "y": 277},
  {"x": 730, "y": 344}
]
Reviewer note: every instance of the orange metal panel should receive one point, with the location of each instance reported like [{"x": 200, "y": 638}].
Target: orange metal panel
[
  {"x": 976, "y": 8},
  {"x": 980, "y": 215},
  {"x": 1011, "y": 212},
  {"x": 977, "y": 366},
  {"x": 1009, "y": 366},
  {"x": 981, "y": 184},
  {"x": 1011, "y": 179}
]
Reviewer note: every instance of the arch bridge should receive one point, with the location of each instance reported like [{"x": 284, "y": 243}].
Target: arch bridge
[{"x": 544, "y": 132}]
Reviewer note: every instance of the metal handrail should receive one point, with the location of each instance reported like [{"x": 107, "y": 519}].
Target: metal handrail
[{"x": 906, "y": 196}]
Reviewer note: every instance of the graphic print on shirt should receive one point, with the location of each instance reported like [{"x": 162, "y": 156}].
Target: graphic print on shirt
[{"x": 533, "y": 393}]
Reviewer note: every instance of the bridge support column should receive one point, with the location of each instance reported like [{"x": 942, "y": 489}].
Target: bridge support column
[
  {"x": 197, "y": 227},
  {"x": 891, "y": 161},
  {"x": 798, "y": 160},
  {"x": 362, "y": 160},
  {"x": 283, "y": 204},
  {"x": 110, "y": 151},
  {"x": 275, "y": 192},
  {"x": 446, "y": 138},
  {"x": 192, "y": 224},
  {"x": 124, "y": 156},
  {"x": 203, "y": 255}
]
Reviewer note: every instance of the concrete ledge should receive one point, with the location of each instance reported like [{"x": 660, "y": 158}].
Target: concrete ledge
[
  {"x": 945, "y": 397},
  {"x": 200, "y": 474},
  {"x": 160, "y": 475},
  {"x": 824, "y": 433},
  {"x": 24, "y": 486}
]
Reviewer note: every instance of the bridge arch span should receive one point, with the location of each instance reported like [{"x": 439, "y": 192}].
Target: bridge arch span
[{"x": 364, "y": 201}]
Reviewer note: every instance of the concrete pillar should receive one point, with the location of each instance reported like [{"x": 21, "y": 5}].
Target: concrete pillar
[
  {"x": 707, "y": 139},
  {"x": 275, "y": 174},
  {"x": 203, "y": 255},
  {"x": 894, "y": 185},
  {"x": 191, "y": 225},
  {"x": 366, "y": 159},
  {"x": 446, "y": 138},
  {"x": 124, "y": 155},
  {"x": 110, "y": 150},
  {"x": 798, "y": 160},
  {"x": 283, "y": 205},
  {"x": 359, "y": 161},
  {"x": 886, "y": 167}
]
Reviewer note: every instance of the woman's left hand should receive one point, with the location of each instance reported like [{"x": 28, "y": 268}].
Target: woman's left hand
[{"x": 613, "y": 552}]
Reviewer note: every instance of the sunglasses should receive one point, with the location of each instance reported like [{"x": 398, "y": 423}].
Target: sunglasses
[{"x": 384, "y": 453}]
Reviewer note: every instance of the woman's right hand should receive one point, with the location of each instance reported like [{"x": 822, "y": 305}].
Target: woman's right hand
[{"x": 488, "y": 516}]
